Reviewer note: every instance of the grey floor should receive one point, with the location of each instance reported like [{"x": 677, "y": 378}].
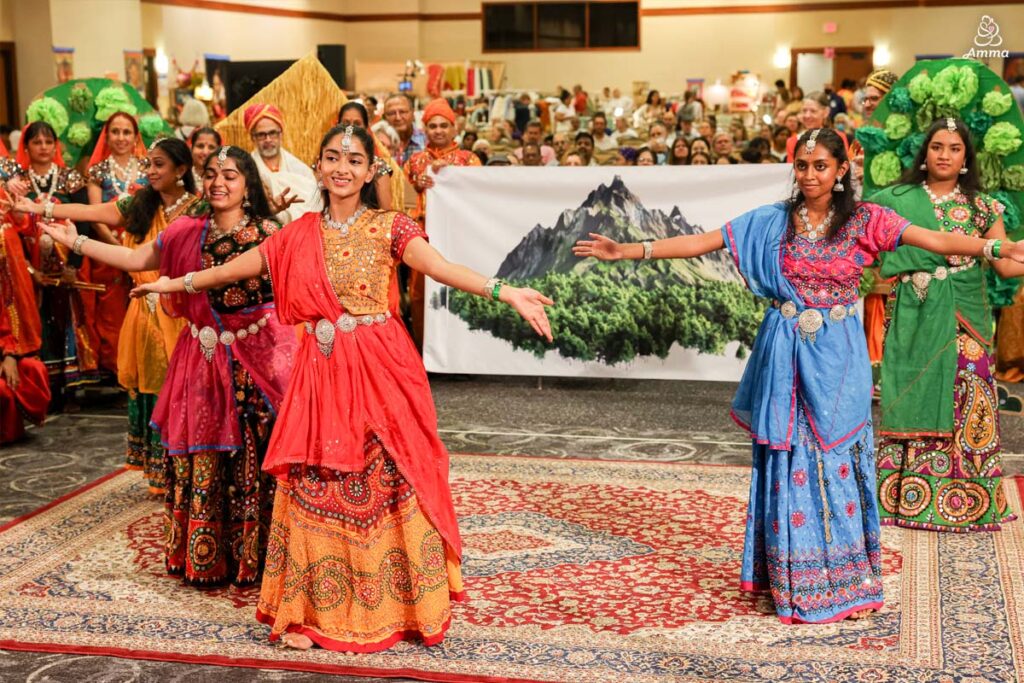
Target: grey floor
[{"x": 619, "y": 419}]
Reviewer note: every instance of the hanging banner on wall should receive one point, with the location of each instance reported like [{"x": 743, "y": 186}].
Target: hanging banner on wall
[
  {"x": 64, "y": 63},
  {"x": 134, "y": 69},
  {"x": 681, "y": 319}
]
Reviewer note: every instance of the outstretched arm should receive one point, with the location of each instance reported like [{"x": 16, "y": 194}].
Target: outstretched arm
[
  {"x": 146, "y": 257},
  {"x": 529, "y": 303},
  {"x": 95, "y": 213},
  {"x": 248, "y": 265},
  {"x": 952, "y": 244},
  {"x": 683, "y": 246}
]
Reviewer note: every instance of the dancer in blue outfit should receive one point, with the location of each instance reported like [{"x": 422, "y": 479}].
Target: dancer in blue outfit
[{"x": 813, "y": 535}]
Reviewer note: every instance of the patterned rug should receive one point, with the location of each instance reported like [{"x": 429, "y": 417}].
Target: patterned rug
[{"x": 577, "y": 571}]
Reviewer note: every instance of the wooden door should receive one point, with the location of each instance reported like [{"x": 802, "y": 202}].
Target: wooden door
[
  {"x": 853, "y": 64},
  {"x": 8, "y": 86}
]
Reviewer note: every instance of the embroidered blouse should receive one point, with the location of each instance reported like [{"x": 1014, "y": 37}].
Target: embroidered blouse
[
  {"x": 103, "y": 174},
  {"x": 219, "y": 249},
  {"x": 827, "y": 272}
]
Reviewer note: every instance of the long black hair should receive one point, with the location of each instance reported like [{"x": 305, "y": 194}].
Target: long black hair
[
  {"x": 146, "y": 201},
  {"x": 358, "y": 107},
  {"x": 259, "y": 207},
  {"x": 844, "y": 203},
  {"x": 914, "y": 175},
  {"x": 368, "y": 192},
  {"x": 205, "y": 130}
]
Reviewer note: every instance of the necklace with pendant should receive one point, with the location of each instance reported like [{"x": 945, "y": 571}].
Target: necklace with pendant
[
  {"x": 216, "y": 233},
  {"x": 169, "y": 210},
  {"x": 39, "y": 181},
  {"x": 343, "y": 226},
  {"x": 816, "y": 232},
  {"x": 128, "y": 176}
]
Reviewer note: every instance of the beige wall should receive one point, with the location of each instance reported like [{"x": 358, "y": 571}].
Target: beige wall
[
  {"x": 6, "y": 20},
  {"x": 32, "y": 45},
  {"x": 99, "y": 30}
]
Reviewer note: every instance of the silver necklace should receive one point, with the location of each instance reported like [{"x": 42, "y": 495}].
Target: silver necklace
[
  {"x": 129, "y": 175},
  {"x": 169, "y": 210},
  {"x": 944, "y": 198},
  {"x": 38, "y": 181},
  {"x": 816, "y": 232},
  {"x": 343, "y": 226},
  {"x": 218, "y": 233}
]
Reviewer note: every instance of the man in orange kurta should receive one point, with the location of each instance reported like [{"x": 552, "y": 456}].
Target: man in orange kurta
[{"x": 441, "y": 151}]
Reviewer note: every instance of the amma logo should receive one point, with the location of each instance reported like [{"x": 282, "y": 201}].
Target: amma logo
[{"x": 987, "y": 38}]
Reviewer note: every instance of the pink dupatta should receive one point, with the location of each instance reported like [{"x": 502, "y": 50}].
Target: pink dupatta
[{"x": 196, "y": 410}]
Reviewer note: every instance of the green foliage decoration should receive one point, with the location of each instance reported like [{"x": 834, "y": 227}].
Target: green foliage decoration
[{"x": 49, "y": 110}]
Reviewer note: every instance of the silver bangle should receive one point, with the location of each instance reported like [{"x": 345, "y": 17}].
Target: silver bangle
[
  {"x": 188, "y": 283},
  {"x": 648, "y": 249},
  {"x": 489, "y": 288},
  {"x": 987, "y": 250},
  {"x": 79, "y": 243},
  {"x": 48, "y": 210}
]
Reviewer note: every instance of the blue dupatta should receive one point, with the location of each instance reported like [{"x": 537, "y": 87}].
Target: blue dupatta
[{"x": 828, "y": 378}]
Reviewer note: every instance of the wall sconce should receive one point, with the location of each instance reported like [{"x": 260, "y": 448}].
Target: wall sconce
[
  {"x": 717, "y": 95},
  {"x": 882, "y": 56},
  {"x": 782, "y": 59},
  {"x": 161, "y": 63}
]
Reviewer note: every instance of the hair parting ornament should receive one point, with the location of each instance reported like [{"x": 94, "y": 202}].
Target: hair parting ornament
[
  {"x": 346, "y": 141},
  {"x": 812, "y": 141},
  {"x": 950, "y": 124},
  {"x": 222, "y": 156}
]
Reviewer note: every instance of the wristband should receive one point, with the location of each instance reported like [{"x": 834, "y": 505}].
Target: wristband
[
  {"x": 79, "y": 243},
  {"x": 997, "y": 248},
  {"x": 496, "y": 290},
  {"x": 188, "y": 283},
  {"x": 648, "y": 249},
  {"x": 48, "y": 210}
]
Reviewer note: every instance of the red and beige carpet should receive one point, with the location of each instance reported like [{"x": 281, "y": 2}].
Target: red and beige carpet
[{"x": 577, "y": 571}]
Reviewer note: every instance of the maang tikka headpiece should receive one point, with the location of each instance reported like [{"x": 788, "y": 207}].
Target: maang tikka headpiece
[
  {"x": 222, "y": 155},
  {"x": 153, "y": 144},
  {"x": 812, "y": 141},
  {"x": 346, "y": 140},
  {"x": 950, "y": 124}
]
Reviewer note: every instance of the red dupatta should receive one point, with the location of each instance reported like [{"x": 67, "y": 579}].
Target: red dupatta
[
  {"x": 102, "y": 150},
  {"x": 21, "y": 334},
  {"x": 373, "y": 380},
  {"x": 196, "y": 408}
]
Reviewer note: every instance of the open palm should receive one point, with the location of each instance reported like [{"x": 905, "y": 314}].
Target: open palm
[
  {"x": 600, "y": 247},
  {"x": 64, "y": 232}
]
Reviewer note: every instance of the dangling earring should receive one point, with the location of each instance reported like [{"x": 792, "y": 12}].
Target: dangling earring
[
  {"x": 246, "y": 203},
  {"x": 180, "y": 183},
  {"x": 838, "y": 187},
  {"x": 963, "y": 170},
  {"x": 320, "y": 183},
  {"x": 923, "y": 167}
]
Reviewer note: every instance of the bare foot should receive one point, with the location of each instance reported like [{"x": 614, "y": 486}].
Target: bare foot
[
  {"x": 297, "y": 641},
  {"x": 862, "y": 614}
]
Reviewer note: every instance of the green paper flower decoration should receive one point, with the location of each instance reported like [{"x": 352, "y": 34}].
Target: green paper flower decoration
[
  {"x": 900, "y": 101},
  {"x": 111, "y": 100},
  {"x": 885, "y": 168},
  {"x": 955, "y": 87},
  {"x": 925, "y": 115},
  {"x": 873, "y": 140},
  {"x": 897, "y": 126},
  {"x": 151, "y": 126},
  {"x": 49, "y": 110},
  {"x": 908, "y": 148},
  {"x": 920, "y": 87},
  {"x": 67, "y": 157},
  {"x": 996, "y": 104},
  {"x": 79, "y": 134},
  {"x": 1013, "y": 178},
  {"x": 1011, "y": 214},
  {"x": 80, "y": 98},
  {"x": 979, "y": 122},
  {"x": 990, "y": 171},
  {"x": 1002, "y": 138}
]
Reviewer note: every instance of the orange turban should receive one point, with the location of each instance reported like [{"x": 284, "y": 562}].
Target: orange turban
[
  {"x": 256, "y": 112},
  {"x": 438, "y": 107}
]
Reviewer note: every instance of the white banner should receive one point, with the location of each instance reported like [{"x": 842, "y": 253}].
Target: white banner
[{"x": 681, "y": 319}]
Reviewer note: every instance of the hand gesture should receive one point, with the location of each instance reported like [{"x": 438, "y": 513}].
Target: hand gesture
[
  {"x": 438, "y": 164},
  {"x": 18, "y": 203},
  {"x": 283, "y": 201},
  {"x": 161, "y": 286},
  {"x": 9, "y": 372},
  {"x": 529, "y": 303},
  {"x": 423, "y": 181},
  {"x": 18, "y": 186},
  {"x": 600, "y": 247},
  {"x": 63, "y": 232},
  {"x": 1013, "y": 251}
]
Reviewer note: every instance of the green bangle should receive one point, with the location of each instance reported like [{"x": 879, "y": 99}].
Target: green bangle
[
  {"x": 496, "y": 290},
  {"x": 996, "y": 248}
]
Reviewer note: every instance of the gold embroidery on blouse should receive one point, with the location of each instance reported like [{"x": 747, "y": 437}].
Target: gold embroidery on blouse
[{"x": 359, "y": 265}]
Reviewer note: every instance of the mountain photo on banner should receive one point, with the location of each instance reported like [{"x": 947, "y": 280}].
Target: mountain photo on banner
[{"x": 615, "y": 312}]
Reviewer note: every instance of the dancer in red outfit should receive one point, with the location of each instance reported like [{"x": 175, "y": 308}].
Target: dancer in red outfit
[
  {"x": 24, "y": 387},
  {"x": 362, "y": 495}
]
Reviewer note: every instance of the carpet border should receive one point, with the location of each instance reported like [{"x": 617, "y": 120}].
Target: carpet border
[
  {"x": 607, "y": 460},
  {"x": 62, "y": 499}
]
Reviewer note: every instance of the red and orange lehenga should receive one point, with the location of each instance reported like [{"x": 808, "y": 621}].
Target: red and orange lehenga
[
  {"x": 364, "y": 548},
  {"x": 105, "y": 310},
  {"x": 21, "y": 337}
]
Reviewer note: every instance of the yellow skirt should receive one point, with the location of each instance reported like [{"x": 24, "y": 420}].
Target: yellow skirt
[{"x": 353, "y": 562}]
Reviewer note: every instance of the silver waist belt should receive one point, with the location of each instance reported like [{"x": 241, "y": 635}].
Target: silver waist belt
[
  {"x": 209, "y": 337},
  {"x": 324, "y": 329},
  {"x": 810, "y": 320}
]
